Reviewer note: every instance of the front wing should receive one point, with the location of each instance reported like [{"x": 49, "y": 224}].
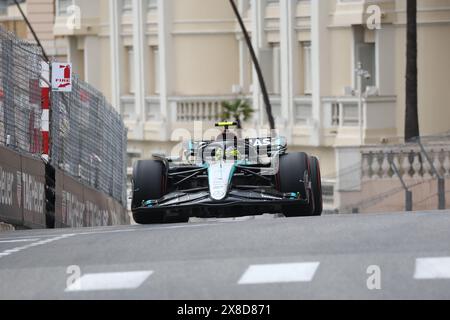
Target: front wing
[{"x": 201, "y": 204}]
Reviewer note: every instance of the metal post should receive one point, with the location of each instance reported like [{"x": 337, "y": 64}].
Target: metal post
[
  {"x": 360, "y": 111},
  {"x": 408, "y": 201},
  {"x": 441, "y": 180},
  {"x": 441, "y": 193},
  {"x": 36, "y": 38},
  {"x": 408, "y": 193},
  {"x": 360, "y": 74}
]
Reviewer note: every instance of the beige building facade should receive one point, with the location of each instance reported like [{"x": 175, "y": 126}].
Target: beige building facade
[{"x": 167, "y": 64}]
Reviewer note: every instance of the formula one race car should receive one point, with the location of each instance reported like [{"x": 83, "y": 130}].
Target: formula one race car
[{"x": 228, "y": 177}]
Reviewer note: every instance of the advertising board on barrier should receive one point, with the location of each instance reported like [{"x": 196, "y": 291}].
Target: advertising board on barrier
[
  {"x": 22, "y": 190},
  {"x": 80, "y": 206},
  {"x": 32, "y": 185},
  {"x": 23, "y": 202},
  {"x": 10, "y": 194}
]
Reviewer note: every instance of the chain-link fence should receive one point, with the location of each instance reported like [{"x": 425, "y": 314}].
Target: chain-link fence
[
  {"x": 20, "y": 98},
  {"x": 89, "y": 139},
  {"x": 87, "y": 136}
]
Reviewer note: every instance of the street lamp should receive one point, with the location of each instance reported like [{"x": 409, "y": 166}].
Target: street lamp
[{"x": 360, "y": 74}]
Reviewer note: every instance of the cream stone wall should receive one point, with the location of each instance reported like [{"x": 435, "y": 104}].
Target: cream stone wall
[
  {"x": 205, "y": 65},
  {"x": 341, "y": 48}
]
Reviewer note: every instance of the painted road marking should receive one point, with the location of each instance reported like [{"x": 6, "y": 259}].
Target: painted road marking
[
  {"x": 279, "y": 273},
  {"x": 109, "y": 281},
  {"x": 432, "y": 268},
  {"x": 84, "y": 232},
  {"x": 19, "y": 240},
  {"x": 8, "y": 252}
]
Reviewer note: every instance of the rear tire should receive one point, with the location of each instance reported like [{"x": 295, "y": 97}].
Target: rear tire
[
  {"x": 316, "y": 182},
  {"x": 294, "y": 168}
]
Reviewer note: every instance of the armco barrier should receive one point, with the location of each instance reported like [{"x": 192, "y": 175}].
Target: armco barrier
[
  {"x": 32, "y": 188},
  {"x": 22, "y": 190},
  {"x": 10, "y": 193},
  {"x": 23, "y": 197},
  {"x": 78, "y": 205}
]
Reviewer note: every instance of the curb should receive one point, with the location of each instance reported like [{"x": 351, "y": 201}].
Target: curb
[{"x": 6, "y": 227}]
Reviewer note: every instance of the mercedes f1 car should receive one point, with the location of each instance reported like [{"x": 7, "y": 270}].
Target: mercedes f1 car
[{"x": 227, "y": 177}]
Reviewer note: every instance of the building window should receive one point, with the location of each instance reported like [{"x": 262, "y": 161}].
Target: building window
[
  {"x": 62, "y": 6},
  {"x": 127, "y": 7},
  {"x": 152, "y": 4},
  {"x": 365, "y": 53},
  {"x": 335, "y": 114},
  {"x": 276, "y": 72},
  {"x": 3, "y": 8},
  {"x": 307, "y": 68},
  {"x": 273, "y": 2}
]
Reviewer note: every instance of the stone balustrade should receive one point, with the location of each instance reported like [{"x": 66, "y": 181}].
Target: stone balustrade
[{"x": 411, "y": 163}]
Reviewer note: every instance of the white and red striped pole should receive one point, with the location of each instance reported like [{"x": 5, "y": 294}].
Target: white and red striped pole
[{"x": 45, "y": 105}]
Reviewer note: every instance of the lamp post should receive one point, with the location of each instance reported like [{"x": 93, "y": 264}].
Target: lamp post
[{"x": 360, "y": 74}]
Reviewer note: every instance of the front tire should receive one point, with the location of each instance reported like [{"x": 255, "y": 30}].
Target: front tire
[
  {"x": 294, "y": 169},
  {"x": 316, "y": 182},
  {"x": 149, "y": 181}
]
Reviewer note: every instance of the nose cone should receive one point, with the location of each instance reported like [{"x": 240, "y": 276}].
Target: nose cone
[{"x": 219, "y": 177}]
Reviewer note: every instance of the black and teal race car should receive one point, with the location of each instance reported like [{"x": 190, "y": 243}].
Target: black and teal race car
[{"x": 227, "y": 177}]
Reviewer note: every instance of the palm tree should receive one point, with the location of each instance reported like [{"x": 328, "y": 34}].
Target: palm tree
[
  {"x": 411, "y": 114},
  {"x": 238, "y": 110}
]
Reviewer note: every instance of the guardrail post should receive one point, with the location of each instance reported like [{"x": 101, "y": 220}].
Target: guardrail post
[
  {"x": 408, "y": 201},
  {"x": 408, "y": 193},
  {"x": 441, "y": 193},
  {"x": 441, "y": 180}
]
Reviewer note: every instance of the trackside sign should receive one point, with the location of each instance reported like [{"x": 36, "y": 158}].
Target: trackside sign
[{"x": 62, "y": 77}]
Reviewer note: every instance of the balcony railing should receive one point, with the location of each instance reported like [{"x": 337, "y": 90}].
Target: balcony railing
[
  {"x": 152, "y": 108},
  {"x": 302, "y": 111},
  {"x": 127, "y": 107},
  {"x": 341, "y": 112},
  {"x": 188, "y": 109}
]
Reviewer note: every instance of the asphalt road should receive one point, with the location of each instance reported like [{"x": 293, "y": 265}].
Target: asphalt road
[{"x": 386, "y": 256}]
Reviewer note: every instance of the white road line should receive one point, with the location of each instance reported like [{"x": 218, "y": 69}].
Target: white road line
[
  {"x": 19, "y": 240},
  {"x": 432, "y": 268},
  {"x": 279, "y": 273},
  {"x": 99, "y": 231},
  {"x": 109, "y": 281},
  {"x": 29, "y": 237},
  {"x": 32, "y": 245}
]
